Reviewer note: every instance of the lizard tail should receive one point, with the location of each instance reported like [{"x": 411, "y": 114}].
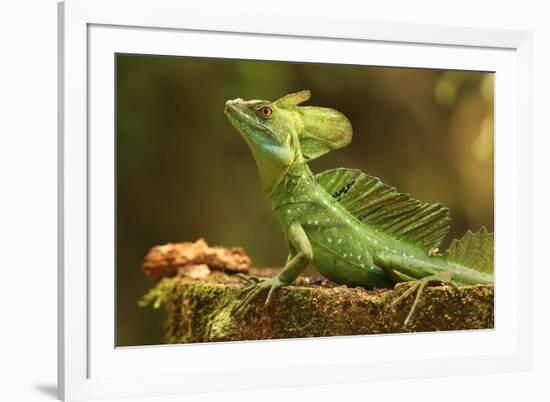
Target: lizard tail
[{"x": 474, "y": 252}]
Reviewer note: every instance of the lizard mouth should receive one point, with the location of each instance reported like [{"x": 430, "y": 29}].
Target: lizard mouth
[{"x": 234, "y": 113}]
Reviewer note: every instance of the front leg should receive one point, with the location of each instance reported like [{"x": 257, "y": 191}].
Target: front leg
[{"x": 300, "y": 256}]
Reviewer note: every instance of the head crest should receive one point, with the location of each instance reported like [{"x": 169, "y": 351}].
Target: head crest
[
  {"x": 323, "y": 129},
  {"x": 294, "y": 99}
]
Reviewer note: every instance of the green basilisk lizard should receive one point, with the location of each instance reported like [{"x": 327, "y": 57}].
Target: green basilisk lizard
[{"x": 352, "y": 227}]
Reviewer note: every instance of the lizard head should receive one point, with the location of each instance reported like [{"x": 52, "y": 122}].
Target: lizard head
[{"x": 281, "y": 133}]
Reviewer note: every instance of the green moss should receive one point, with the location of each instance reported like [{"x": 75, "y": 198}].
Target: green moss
[
  {"x": 221, "y": 324},
  {"x": 157, "y": 295}
]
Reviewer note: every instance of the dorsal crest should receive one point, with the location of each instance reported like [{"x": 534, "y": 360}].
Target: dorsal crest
[{"x": 381, "y": 207}]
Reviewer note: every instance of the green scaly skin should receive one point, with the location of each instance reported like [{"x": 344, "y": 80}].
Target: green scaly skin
[{"x": 319, "y": 230}]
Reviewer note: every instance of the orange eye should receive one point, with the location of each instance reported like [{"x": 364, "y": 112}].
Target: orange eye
[{"x": 266, "y": 111}]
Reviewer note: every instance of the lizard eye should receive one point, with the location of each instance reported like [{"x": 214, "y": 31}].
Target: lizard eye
[{"x": 266, "y": 112}]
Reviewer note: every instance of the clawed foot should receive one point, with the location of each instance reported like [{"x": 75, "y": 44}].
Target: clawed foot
[
  {"x": 256, "y": 286},
  {"x": 441, "y": 278}
]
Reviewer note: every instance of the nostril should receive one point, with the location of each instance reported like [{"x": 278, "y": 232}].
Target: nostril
[{"x": 229, "y": 105}]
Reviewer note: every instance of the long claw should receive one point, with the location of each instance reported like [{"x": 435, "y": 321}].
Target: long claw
[
  {"x": 248, "y": 287},
  {"x": 242, "y": 276},
  {"x": 418, "y": 287},
  {"x": 240, "y": 304},
  {"x": 415, "y": 303},
  {"x": 270, "y": 294},
  {"x": 248, "y": 278},
  {"x": 402, "y": 285},
  {"x": 238, "y": 307},
  {"x": 253, "y": 291},
  {"x": 406, "y": 294},
  {"x": 246, "y": 299}
]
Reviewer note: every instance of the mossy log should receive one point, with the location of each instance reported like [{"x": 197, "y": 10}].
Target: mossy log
[
  {"x": 200, "y": 310},
  {"x": 198, "y": 286}
]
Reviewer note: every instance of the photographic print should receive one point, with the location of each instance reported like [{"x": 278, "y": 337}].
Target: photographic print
[{"x": 264, "y": 200}]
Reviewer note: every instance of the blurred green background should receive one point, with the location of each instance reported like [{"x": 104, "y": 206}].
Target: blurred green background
[{"x": 184, "y": 173}]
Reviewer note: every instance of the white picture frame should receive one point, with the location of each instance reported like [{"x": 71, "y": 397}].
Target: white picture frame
[{"x": 90, "y": 366}]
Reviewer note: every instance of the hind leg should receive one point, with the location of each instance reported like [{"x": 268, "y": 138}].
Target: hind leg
[
  {"x": 409, "y": 273},
  {"x": 418, "y": 286}
]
